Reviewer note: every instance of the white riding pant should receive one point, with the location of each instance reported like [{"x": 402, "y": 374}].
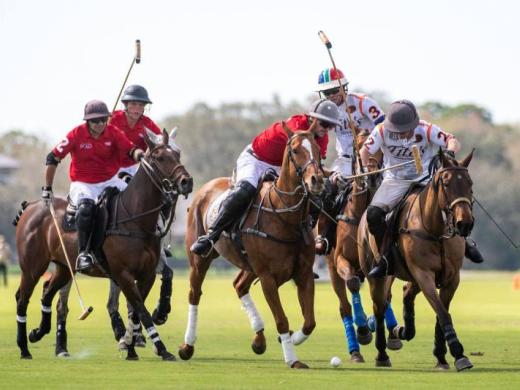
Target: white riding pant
[
  {"x": 342, "y": 165},
  {"x": 79, "y": 190},
  {"x": 250, "y": 168},
  {"x": 390, "y": 193}
]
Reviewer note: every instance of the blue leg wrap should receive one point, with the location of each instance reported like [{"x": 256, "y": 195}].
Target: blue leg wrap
[
  {"x": 360, "y": 317},
  {"x": 351, "y": 334},
  {"x": 390, "y": 320}
]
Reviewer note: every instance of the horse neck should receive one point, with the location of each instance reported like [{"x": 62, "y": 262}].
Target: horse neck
[
  {"x": 359, "y": 200},
  {"x": 431, "y": 211},
  {"x": 141, "y": 196}
]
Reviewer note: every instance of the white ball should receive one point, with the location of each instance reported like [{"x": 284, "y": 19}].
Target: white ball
[{"x": 335, "y": 361}]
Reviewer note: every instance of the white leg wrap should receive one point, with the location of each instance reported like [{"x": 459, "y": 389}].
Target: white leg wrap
[
  {"x": 21, "y": 319},
  {"x": 254, "y": 316},
  {"x": 46, "y": 309},
  {"x": 298, "y": 337},
  {"x": 191, "y": 329},
  {"x": 288, "y": 349}
]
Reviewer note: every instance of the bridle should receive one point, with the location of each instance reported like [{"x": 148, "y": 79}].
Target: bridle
[{"x": 300, "y": 170}]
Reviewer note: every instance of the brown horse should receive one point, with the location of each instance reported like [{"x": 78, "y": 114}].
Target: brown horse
[
  {"x": 131, "y": 247},
  {"x": 278, "y": 243},
  {"x": 343, "y": 264},
  {"x": 430, "y": 250}
]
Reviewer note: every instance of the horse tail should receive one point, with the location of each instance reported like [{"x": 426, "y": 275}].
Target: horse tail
[{"x": 23, "y": 205}]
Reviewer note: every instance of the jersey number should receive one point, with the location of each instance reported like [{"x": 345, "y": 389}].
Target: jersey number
[
  {"x": 62, "y": 144},
  {"x": 374, "y": 112}
]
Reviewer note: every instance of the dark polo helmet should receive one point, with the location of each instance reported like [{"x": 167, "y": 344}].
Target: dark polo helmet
[
  {"x": 96, "y": 109},
  {"x": 325, "y": 110},
  {"x": 401, "y": 117},
  {"x": 135, "y": 93}
]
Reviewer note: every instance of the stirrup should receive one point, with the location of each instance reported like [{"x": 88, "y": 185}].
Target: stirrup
[
  {"x": 85, "y": 261},
  {"x": 320, "y": 240},
  {"x": 203, "y": 246}
]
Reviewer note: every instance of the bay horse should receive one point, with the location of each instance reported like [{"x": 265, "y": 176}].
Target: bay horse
[
  {"x": 429, "y": 251},
  {"x": 278, "y": 241},
  {"x": 131, "y": 246},
  {"x": 343, "y": 263}
]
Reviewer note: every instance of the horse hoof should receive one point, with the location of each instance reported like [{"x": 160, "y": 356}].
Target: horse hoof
[
  {"x": 169, "y": 357},
  {"x": 26, "y": 356},
  {"x": 280, "y": 340},
  {"x": 383, "y": 363},
  {"x": 364, "y": 336},
  {"x": 159, "y": 318},
  {"x": 298, "y": 364},
  {"x": 63, "y": 354},
  {"x": 442, "y": 366},
  {"x": 34, "y": 336},
  {"x": 186, "y": 351},
  {"x": 132, "y": 358},
  {"x": 140, "y": 341},
  {"x": 122, "y": 346},
  {"x": 463, "y": 364},
  {"x": 259, "y": 345},
  {"x": 394, "y": 344},
  {"x": 356, "y": 357}
]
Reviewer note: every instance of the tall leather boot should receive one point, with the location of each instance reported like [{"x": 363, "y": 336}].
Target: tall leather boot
[
  {"x": 235, "y": 203},
  {"x": 472, "y": 252},
  {"x": 377, "y": 227},
  {"x": 85, "y": 223}
]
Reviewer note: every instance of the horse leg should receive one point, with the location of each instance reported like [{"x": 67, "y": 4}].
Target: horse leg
[
  {"x": 198, "y": 268},
  {"x": 133, "y": 321},
  {"x": 345, "y": 310},
  {"x": 160, "y": 314},
  {"x": 378, "y": 293},
  {"x": 23, "y": 294},
  {"x": 270, "y": 289},
  {"x": 118, "y": 326},
  {"x": 62, "y": 310},
  {"x": 242, "y": 284},
  {"x": 441, "y": 305}
]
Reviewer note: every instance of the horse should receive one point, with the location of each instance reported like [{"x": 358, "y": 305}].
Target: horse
[
  {"x": 428, "y": 252},
  {"x": 278, "y": 243},
  {"x": 131, "y": 246},
  {"x": 343, "y": 262}
]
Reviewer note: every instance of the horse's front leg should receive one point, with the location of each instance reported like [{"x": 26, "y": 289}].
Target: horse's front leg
[
  {"x": 62, "y": 309},
  {"x": 242, "y": 284},
  {"x": 378, "y": 293},
  {"x": 270, "y": 289},
  {"x": 305, "y": 286},
  {"x": 118, "y": 326}
]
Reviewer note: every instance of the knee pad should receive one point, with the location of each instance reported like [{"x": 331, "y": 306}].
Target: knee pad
[
  {"x": 85, "y": 213},
  {"x": 375, "y": 219}
]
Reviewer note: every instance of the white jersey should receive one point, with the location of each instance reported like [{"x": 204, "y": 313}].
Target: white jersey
[
  {"x": 426, "y": 136},
  {"x": 365, "y": 114}
]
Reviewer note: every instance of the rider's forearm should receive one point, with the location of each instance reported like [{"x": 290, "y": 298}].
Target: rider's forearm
[
  {"x": 365, "y": 155},
  {"x": 50, "y": 171}
]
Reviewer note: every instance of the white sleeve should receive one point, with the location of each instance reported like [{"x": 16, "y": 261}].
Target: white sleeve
[
  {"x": 372, "y": 110},
  {"x": 438, "y": 137},
  {"x": 374, "y": 141}
]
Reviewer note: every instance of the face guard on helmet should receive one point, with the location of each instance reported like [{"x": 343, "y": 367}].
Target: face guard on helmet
[
  {"x": 135, "y": 93},
  {"x": 326, "y": 111},
  {"x": 328, "y": 79}
]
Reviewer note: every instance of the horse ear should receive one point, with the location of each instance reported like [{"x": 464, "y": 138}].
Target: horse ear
[
  {"x": 165, "y": 137},
  {"x": 173, "y": 133},
  {"x": 445, "y": 161},
  {"x": 287, "y": 130},
  {"x": 149, "y": 138},
  {"x": 467, "y": 159}
]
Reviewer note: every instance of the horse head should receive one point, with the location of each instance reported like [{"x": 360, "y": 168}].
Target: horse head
[
  {"x": 162, "y": 161},
  {"x": 454, "y": 186},
  {"x": 304, "y": 159}
]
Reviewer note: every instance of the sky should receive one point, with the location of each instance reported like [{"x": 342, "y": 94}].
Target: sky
[{"x": 57, "y": 55}]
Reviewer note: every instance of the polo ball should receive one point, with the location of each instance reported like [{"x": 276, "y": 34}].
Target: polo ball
[{"x": 335, "y": 361}]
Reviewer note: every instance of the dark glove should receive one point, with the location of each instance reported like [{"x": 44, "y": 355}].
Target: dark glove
[
  {"x": 138, "y": 154},
  {"x": 47, "y": 195},
  {"x": 450, "y": 153}
]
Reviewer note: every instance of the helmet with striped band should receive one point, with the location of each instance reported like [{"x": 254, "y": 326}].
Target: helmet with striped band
[
  {"x": 325, "y": 110},
  {"x": 328, "y": 79}
]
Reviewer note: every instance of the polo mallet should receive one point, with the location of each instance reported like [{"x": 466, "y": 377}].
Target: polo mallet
[
  {"x": 416, "y": 160},
  {"x": 328, "y": 46},
  {"x": 136, "y": 60},
  {"x": 85, "y": 311}
]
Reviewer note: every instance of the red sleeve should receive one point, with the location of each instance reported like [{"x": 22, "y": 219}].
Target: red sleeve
[
  {"x": 122, "y": 142},
  {"x": 323, "y": 142},
  {"x": 66, "y": 145}
]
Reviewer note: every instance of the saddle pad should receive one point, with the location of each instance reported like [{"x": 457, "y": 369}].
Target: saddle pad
[{"x": 214, "y": 207}]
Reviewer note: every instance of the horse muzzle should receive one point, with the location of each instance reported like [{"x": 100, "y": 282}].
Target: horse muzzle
[
  {"x": 315, "y": 184},
  {"x": 185, "y": 185},
  {"x": 464, "y": 228}
]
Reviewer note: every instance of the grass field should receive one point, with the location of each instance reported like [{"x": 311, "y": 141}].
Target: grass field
[{"x": 486, "y": 313}]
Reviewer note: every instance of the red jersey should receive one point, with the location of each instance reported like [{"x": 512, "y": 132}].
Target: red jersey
[
  {"x": 270, "y": 144},
  {"x": 93, "y": 160},
  {"x": 134, "y": 134}
]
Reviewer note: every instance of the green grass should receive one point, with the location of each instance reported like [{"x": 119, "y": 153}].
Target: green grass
[{"x": 486, "y": 313}]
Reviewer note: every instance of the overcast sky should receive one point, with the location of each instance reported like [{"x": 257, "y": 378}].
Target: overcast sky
[{"x": 57, "y": 55}]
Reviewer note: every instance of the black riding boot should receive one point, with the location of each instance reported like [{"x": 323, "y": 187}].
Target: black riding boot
[
  {"x": 85, "y": 223},
  {"x": 235, "y": 203},
  {"x": 472, "y": 252},
  {"x": 377, "y": 227}
]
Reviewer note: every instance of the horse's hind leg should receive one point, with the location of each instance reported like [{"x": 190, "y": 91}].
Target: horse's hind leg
[
  {"x": 62, "y": 309},
  {"x": 378, "y": 293},
  {"x": 345, "y": 310},
  {"x": 198, "y": 268},
  {"x": 58, "y": 280},
  {"x": 242, "y": 284},
  {"x": 118, "y": 326}
]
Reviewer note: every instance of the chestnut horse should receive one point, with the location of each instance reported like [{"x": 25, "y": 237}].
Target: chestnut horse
[
  {"x": 131, "y": 247},
  {"x": 429, "y": 254},
  {"x": 278, "y": 242},
  {"x": 343, "y": 263}
]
